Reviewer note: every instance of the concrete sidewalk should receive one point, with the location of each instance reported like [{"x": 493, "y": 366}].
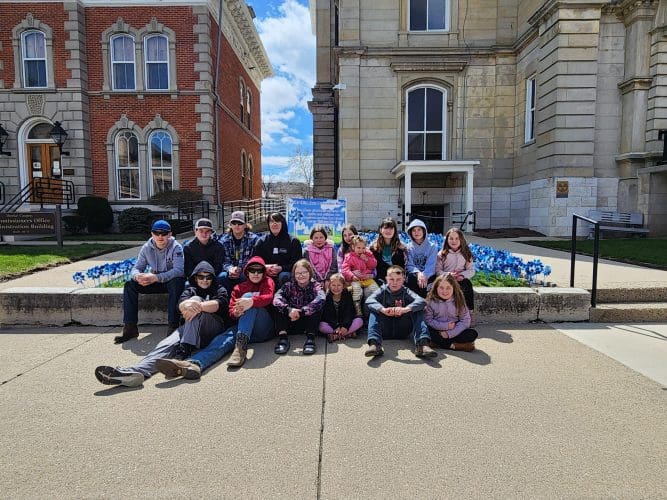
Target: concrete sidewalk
[{"x": 532, "y": 413}]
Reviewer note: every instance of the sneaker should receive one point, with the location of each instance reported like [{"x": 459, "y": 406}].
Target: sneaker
[
  {"x": 374, "y": 350},
  {"x": 109, "y": 375},
  {"x": 425, "y": 351},
  {"x": 238, "y": 357},
  {"x": 173, "y": 368},
  {"x": 130, "y": 331},
  {"x": 463, "y": 346}
]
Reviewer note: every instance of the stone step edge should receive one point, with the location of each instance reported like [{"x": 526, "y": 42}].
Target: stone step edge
[
  {"x": 629, "y": 295},
  {"x": 103, "y": 306}
]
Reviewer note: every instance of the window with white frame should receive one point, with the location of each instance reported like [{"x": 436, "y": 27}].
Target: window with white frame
[
  {"x": 242, "y": 100},
  {"x": 429, "y": 15},
  {"x": 157, "y": 62},
  {"x": 127, "y": 166},
  {"x": 425, "y": 119},
  {"x": 244, "y": 163},
  {"x": 122, "y": 62},
  {"x": 33, "y": 48},
  {"x": 529, "y": 131},
  {"x": 160, "y": 162},
  {"x": 250, "y": 172},
  {"x": 248, "y": 105}
]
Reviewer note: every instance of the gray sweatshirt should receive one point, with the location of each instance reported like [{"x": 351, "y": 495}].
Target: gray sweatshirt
[
  {"x": 404, "y": 297},
  {"x": 167, "y": 263}
]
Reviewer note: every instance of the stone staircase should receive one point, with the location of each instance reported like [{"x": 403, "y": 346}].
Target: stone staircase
[{"x": 630, "y": 305}]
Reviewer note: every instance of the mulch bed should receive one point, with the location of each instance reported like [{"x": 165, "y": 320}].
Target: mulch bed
[{"x": 509, "y": 232}]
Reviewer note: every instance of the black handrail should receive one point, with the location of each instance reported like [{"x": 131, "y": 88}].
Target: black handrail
[
  {"x": 2, "y": 193},
  {"x": 465, "y": 219},
  {"x": 188, "y": 209},
  {"x": 596, "y": 253},
  {"x": 42, "y": 190}
]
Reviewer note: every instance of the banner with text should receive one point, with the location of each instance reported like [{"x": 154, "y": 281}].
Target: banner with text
[{"x": 304, "y": 213}]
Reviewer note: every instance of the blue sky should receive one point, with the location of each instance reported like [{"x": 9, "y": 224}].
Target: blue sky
[{"x": 285, "y": 29}]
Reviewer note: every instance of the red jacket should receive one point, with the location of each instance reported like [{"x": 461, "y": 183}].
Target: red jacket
[{"x": 262, "y": 291}]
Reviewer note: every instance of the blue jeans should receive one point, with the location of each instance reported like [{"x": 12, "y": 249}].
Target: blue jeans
[
  {"x": 216, "y": 350},
  {"x": 381, "y": 326},
  {"x": 174, "y": 287},
  {"x": 257, "y": 324}
]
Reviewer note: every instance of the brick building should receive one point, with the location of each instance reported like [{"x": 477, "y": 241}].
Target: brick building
[
  {"x": 524, "y": 110},
  {"x": 133, "y": 85}
]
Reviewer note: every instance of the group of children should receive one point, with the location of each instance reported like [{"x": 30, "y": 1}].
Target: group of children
[{"x": 414, "y": 290}]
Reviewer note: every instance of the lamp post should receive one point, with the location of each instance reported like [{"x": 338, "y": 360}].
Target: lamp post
[
  {"x": 59, "y": 136},
  {"x": 3, "y": 140}
]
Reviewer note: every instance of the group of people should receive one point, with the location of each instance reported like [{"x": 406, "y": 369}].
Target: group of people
[{"x": 228, "y": 291}]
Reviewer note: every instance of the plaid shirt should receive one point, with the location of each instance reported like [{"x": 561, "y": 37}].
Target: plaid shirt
[{"x": 237, "y": 256}]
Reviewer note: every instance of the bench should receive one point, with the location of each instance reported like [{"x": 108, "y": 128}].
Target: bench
[{"x": 619, "y": 222}]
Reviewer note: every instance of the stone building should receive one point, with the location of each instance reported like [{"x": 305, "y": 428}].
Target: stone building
[
  {"x": 524, "y": 110},
  {"x": 134, "y": 86}
]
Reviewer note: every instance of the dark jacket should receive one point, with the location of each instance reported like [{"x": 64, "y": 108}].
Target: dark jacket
[
  {"x": 195, "y": 252},
  {"x": 214, "y": 292},
  {"x": 282, "y": 249},
  {"x": 404, "y": 297},
  {"x": 344, "y": 315},
  {"x": 397, "y": 259}
]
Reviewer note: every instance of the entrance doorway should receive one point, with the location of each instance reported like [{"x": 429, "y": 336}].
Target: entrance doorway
[
  {"x": 43, "y": 162},
  {"x": 436, "y": 217}
]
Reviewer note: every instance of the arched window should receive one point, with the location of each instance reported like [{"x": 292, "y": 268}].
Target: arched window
[
  {"x": 425, "y": 119},
  {"x": 122, "y": 62},
  {"x": 244, "y": 163},
  {"x": 250, "y": 177},
  {"x": 33, "y": 51},
  {"x": 242, "y": 92},
  {"x": 161, "y": 168},
  {"x": 157, "y": 62},
  {"x": 249, "y": 106},
  {"x": 429, "y": 15},
  {"x": 127, "y": 166}
]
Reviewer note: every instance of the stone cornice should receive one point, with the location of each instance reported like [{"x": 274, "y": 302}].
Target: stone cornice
[
  {"x": 426, "y": 66},
  {"x": 243, "y": 20},
  {"x": 550, "y": 6},
  {"x": 630, "y": 11},
  {"x": 636, "y": 83}
]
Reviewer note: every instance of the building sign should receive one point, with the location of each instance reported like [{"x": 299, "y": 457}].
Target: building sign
[
  {"x": 27, "y": 223},
  {"x": 303, "y": 214}
]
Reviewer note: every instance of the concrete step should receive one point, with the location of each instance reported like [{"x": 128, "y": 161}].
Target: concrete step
[
  {"x": 633, "y": 312},
  {"x": 631, "y": 294}
]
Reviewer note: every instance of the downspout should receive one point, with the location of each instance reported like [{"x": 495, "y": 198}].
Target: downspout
[{"x": 216, "y": 100}]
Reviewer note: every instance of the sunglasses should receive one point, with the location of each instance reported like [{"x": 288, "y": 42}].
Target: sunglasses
[
  {"x": 237, "y": 223},
  {"x": 204, "y": 277},
  {"x": 256, "y": 270},
  {"x": 161, "y": 233}
]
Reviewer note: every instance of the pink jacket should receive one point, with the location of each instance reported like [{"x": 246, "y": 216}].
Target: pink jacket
[
  {"x": 455, "y": 261},
  {"x": 322, "y": 259},
  {"x": 352, "y": 262}
]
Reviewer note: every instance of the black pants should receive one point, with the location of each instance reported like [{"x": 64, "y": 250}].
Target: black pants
[
  {"x": 467, "y": 335},
  {"x": 413, "y": 285},
  {"x": 305, "y": 324},
  {"x": 468, "y": 294}
]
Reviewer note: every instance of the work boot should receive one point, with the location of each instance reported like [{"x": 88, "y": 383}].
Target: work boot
[
  {"x": 425, "y": 351},
  {"x": 130, "y": 331},
  {"x": 374, "y": 349},
  {"x": 238, "y": 357},
  {"x": 172, "y": 368},
  {"x": 463, "y": 346}
]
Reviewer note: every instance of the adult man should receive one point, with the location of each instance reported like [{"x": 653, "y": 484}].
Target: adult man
[
  {"x": 203, "y": 247},
  {"x": 238, "y": 244},
  {"x": 164, "y": 255}
]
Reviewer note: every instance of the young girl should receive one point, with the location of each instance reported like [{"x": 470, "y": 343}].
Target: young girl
[
  {"x": 447, "y": 316},
  {"x": 339, "y": 320},
  {"x": 348, "y": 231},
  {"x": 298, "y": 305},
  {"x": 388, "y": 249},
  {"x": 358, "y": 267},
  {"x": 320, "y": 253},
  {"x": 456, "y": 258}
]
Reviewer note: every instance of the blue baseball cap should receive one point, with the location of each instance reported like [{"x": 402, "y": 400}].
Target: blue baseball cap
[{"x": 161, "y": 225}]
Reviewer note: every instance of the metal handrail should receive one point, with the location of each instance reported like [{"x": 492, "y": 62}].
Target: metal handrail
[
  {"x": 596, "y": 253},
  {"x": 186, "y": 210},
  {"x": 256, "y": 210},
  {"x": 43, "y": 190},
  {"x": 2, "y": 193},
  {"x": 465, "y": 219}
]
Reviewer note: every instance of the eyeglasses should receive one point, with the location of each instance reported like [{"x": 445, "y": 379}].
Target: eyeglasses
[
  {"x": 204, "y": 277},
  {"x": 237, "y": 223},
  {"x": 161, "y": 233},
  {"x": 302, "y": 273},
  {"x": 258, "y": 270}
]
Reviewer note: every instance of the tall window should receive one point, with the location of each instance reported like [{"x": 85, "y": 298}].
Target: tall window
[
  {"x": 244, "y": 163},
  {"x": 429, "y": 15},
  {"x": 161, "y": 170},
  {"x": 250, "y": 172},
  {"x": 529, "y": 131},
  {"x": 157, "y": 62},
  {"x": 127, "y": 166},
  {"x": 425, "y": 124},
  {"x": 33, "y": 45},
  {"x": 242, "y": 92},
  {"x": 249, "y": 106},
  {"x": 122, "y": 62}
]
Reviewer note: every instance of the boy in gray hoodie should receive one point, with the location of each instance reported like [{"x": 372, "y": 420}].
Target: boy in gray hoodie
[
  {"x": 395, "y": 312},
  {"x": 422, "y": 257}
]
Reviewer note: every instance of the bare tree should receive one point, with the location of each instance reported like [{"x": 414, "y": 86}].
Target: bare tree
[
  {"x": 301, "y": 169},
  {"x": 267, "y": 187}
]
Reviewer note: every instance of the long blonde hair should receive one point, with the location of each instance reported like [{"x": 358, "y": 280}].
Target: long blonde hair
[{"x": 459, "y": 299}]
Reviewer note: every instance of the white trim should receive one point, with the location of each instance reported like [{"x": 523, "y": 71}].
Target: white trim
[
  {"x": 113, "y": 61},
  {"x": 117, "y": 168},
  {"x": 24, "y": 58},
  {"x": 21, "y": 142},
  {"x": 426, "y": 30},
  {"x": 529, "y": 113},
  {"x": 150, "y": 159},
  {"x": 147, "y": 62}
]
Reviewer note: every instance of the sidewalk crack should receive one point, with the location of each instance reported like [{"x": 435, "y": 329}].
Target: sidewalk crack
[{"x": 321, "y": 451}]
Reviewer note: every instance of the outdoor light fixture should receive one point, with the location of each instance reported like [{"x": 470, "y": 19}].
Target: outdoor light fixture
[
  {"x": 3, "y": 140},
  {"x": 59, "y": 136}
]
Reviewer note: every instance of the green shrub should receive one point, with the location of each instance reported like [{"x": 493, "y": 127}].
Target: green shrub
[
  {"x": 96, "y": 212},
  {"x": 74, "y": 224},
  {"x": 172, "y": 198},
  {"x": 136, "y": 220}
]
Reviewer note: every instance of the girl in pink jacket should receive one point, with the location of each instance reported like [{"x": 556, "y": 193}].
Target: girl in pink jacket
[
  {"x": 447, "y": 316},
  {"x": 321, "y": 254},
  {"x": 358, "y": 267}
]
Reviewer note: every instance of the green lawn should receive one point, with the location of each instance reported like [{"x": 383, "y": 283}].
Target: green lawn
[
  {"x": 649, "y": 252},
  {"x": 16, "y": 260}
]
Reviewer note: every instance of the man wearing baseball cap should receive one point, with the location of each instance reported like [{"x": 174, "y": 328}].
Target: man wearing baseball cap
[
  {"x": 238, "y": 243},
  {"x": 203, "y": 247},
  {"x": 164, "y": 255}
]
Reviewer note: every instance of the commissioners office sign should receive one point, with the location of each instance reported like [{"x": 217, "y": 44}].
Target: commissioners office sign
[{"x": 27, "y": 223}]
